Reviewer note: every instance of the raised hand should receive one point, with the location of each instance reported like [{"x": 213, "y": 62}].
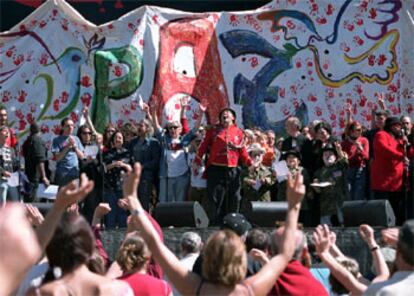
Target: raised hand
[
  {"x": 390, "y": 236},
  {"x": 295, "y": 190},
  {"x": 71, "y": 193},
  {"x": 367, "y": 234},
  {"x": 321, "y": 239},
  {"x": 33, "y": 215},
  {"x": 130, "y": 187}
]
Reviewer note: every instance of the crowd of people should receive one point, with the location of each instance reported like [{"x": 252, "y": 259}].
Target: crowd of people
[
  {"x": 223, "y": 166},
  {"x": 62, "y": 254}
]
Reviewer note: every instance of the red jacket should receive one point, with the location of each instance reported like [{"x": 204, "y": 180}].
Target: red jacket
[
  {"x": 356, "y": 158},
  {"x": 387, "y": 166},
  {"x": 296, "y": 279},
  {"x": 217, "y": 141}
]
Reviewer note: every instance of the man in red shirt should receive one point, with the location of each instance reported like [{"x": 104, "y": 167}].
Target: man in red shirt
[
  {"x": 224, "y": 143},
  {"x": 391, "y": 159},
  {"x": 296, "y": 279}
]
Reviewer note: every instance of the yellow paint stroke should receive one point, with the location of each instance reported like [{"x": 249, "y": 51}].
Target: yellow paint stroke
[{"x": 353, "y": 60}]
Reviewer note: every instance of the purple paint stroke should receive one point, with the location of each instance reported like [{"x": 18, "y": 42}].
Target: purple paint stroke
[
  {"x": 38, "y": 39},
  {"x": 10, "y": 73},
  {"x": 395, "y": 18}
]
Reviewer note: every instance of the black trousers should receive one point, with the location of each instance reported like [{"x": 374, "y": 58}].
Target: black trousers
[{"x": 223, "y": 191}]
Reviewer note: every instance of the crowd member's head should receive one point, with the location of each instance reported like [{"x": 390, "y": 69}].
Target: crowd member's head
[
  {"x": 352, "y": 266},
  {"x": 133, "y": 254},
  {"x": 129, "y": 131},
  {"x": 4, "y": 134},
  {"x": 271, "y": 138},
  {"x": 262, "y": 139},
  {"x": 174, "y": 129},
  {"x": 201, "y": 132},
  {"x": 249, "y": 137},
  {"x": 323, "y": 131},
  {"x": 312, "y": 126},
  {"x": 145, "y": 129},
  {"x": 3, "y": 115},
  {"x": 117, "y": 140},
  {"x": 67, "y": 126},
  {"x": 256, "y": 152},
  {"x": 406, "y": 124},
  {"x": 237, "y": 223},
  {"x": 34, "y": 128},
  {"x": 353, "y": 130},
  {"x": 257, "y": 239},
  {"x": 405, "y": 246},
  {"x": 72, "y": 244},
  {"x": 190, "y": 243},
  {"x": 279, "y": 143},
  {"x": 227, "y": 116},
  {"x": 84, "y": 134},
  {"x": 225, "y": 259},
  {"x": 108, "y": 132},
  {"x": 293, "y": 126},
  {"x": 393, "y": 126},
  {"x": 379, "y": 119},
  {"x": 306, "y": 132},
  {"x": 329, "y": 155},
  {"x": 276, "y": 241},
  {"x": 292, "y": 158},
  {"x": 99, "y": 140}
]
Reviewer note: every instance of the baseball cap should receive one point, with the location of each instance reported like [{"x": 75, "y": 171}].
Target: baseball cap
[{"x": 237, "y": 223}]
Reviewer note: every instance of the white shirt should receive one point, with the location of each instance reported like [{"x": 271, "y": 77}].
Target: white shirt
[
  {"x": 197, "y": 181},
  {"x": 176, "y": 161},
  {"x": 401, "y": 284}
]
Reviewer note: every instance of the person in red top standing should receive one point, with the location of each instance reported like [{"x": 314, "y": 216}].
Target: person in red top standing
[
  {"x": 391, "y": 157},
  {"x": 225, "y": 146},
  {"x": 12, "y": 140},
  {"x": 357, "y": 149}
]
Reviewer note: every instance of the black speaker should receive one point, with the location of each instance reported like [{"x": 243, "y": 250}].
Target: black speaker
[
  {"x": 181, "y": 214},
  {"x": 372, "y": 212},
  {"x": 266, "y": 214}
]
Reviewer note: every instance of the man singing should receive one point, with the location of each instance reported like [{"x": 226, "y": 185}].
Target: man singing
[{"x": 224, "y": 143}]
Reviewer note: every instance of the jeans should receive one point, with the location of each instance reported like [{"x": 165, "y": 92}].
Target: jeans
[
  {"x": 3, "y": 191},
  {"x": 117, "y": 216},
  {"x": 356, "y": 178},
  {"x": 175, "y": 188}
]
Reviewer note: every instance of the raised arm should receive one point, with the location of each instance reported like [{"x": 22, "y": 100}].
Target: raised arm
[
  {"x": 322, "y": 243},
  {"x": 381, "y": 268},
  {"x": 263, "y": 281},
  {"x": 89, "y": 123},
  {"x": 66, "y": 196},
  {"x": 201, "y": 111},
  {"x": 185, "y": 281}
]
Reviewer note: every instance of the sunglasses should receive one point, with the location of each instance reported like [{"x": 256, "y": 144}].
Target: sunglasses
[
  {"x": 174, "y": 127},
  {"x": 356, "y": 130},
  {"x": 86, "y": 133}
]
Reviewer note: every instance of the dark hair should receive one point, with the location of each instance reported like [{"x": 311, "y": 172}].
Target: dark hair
[
  {"x": 390, "y": 121},
  {"x": 257, "y": 239},
  {"x": 405, "y": 243},
  {"x": 64, "y": 120},
  {"x": 112, "y": 139},
  {"x": 326, "y": 126},
  {"x": 106, "y": 139},
  {"x": 81, "y": 129},
  {"x": 72, "y": 244}
]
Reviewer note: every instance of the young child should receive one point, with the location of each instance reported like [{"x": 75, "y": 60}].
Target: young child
[
  {"x": 292, "y": 158},
  {"x": 334, "y": 171},
  {"x": 257, "y": 182}
]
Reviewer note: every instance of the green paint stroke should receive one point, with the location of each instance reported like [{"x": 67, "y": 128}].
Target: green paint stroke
[
  {"x": 117, "y": 88},
  {"x": 49, "y": 89}
]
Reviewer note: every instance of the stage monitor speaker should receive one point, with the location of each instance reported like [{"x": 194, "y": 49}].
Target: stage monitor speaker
[
  {"x": 372, "y": 212},
  {"x": 44, "y": 207},
  {"x": 181, "y": 214},
  {"x": 266, "y": 214}
]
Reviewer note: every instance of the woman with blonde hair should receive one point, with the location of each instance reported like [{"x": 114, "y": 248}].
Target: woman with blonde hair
[
  {"x": 133, "y": 258},
  {"x": 225, "y": 257}
]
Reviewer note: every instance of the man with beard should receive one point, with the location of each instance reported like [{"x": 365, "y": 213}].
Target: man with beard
[
  {"x": 146, "y": 150},
  {"x": 391, "y": 160}
]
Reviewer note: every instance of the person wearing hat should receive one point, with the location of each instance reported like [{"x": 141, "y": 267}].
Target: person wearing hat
[
  {"x": 258, "y": 180},
  {"x": 292, "y": 159},
  {"x": 388, "y": 166},
  {"x": 335, "y": 189},
  {"x": 225, "y": 145}
]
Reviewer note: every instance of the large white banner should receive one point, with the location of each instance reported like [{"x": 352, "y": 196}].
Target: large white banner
[{"x": 307, "y": 58}]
